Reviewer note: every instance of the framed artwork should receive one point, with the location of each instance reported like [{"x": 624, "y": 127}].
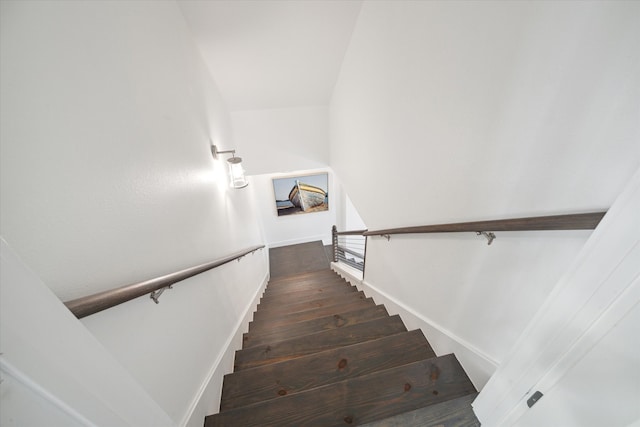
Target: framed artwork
[{"x": 301, "y": 194}]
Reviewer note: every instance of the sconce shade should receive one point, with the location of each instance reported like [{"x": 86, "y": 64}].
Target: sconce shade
[{"x": 236, "y": 173}]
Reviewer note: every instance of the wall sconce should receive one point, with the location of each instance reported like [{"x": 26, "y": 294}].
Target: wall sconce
[{"x": 236, "y": 171}]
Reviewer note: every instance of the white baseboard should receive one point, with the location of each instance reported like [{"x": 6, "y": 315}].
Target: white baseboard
[
  {"x": 207, "y": 400},
  {"x": 478, "y": 365}
]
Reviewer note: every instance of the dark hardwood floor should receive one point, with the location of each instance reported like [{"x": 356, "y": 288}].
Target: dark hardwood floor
[
  {"x": 294, "y": 259},
  {"x": 320, "y": 353}
]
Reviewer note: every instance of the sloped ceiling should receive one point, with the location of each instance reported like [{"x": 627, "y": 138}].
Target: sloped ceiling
[{"x": 272, "y": 54}]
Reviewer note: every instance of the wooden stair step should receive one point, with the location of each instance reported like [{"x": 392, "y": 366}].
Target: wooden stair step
[
  {"x": 305, "y": 295},
  {"x": 296, "y": 287},
  {"x": 360, "y": 400},
  {"x": 305, "y": 277},
  {"x": 452, "y": 413},
  {"x": 326, "y": 367},
  {"x": 295, "y": 307},
  {"x": 276, "y": 293},
  {"x": 314, "y": 343},
  {"x": 307, "y": 273},
  {"x": 310, "y": 314},
  {"x": 251, "y": 339},
  {"x": 268, "y": 303},
  {"x": 293, "y": 281},
  {"x": 310, "y": 275}
]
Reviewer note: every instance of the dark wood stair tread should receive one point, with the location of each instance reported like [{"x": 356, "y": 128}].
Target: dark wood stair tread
[
  {"x": 285, "y": 378},
  {"x": 304, "y": 277},
  {"x": 282, "y": 284},
  {"x": 310, "y": 314},
  {"x": 314, "y": 343},
  {"x": 305, "y": 273},
  {"x": 452, "y": 413},
  {"x": 305, "y": 295},
  {"x": 297, "y": 287},
  {"x": 318, "y": 352},
  {"x": 360, "y": 400},
  {"x": 281, "y": 333},
  {"x": 295, "y": 307}
]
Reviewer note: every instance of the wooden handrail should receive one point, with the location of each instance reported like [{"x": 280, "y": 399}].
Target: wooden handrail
[
  {"x": 85, "y": 306},
  {"x": 585, "y": 221},
  {"x": 351, "y": 233}
]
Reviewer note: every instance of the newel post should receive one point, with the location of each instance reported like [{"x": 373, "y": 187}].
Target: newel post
[
  {"x": 364, "y": 260},
  {"x": 334, "y": 242}
]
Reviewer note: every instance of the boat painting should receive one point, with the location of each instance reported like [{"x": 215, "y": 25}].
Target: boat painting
[
  {"x": 306, "y": 196},
  {"x": 301, "y": 194}
]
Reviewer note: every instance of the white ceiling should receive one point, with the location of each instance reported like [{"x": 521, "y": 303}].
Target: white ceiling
[{"x": 273, "y": 53}]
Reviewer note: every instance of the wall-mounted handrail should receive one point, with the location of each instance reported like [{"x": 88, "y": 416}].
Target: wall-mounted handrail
[
  {"x": 351, "y": 233},
  {"x": 584, "y": 221},
  {"x": 85, "y": 306}
]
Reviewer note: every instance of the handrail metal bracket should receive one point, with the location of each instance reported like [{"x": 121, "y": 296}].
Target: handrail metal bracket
[
  {"x": 252, "y": 252},
  {"x": 490, "y": 236},
  {"x": 386, "y": 236},
  {"x": 155, "y": 295}
]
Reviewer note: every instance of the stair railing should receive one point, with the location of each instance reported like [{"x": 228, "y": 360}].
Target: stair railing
[
  {"x": 91, "y": 304},
  {"x": 349, "y": 247},
  {"x": 342, "y": 249}
]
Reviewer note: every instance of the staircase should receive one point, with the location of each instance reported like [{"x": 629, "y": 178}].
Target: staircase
[{"x": 320, "y": 353}]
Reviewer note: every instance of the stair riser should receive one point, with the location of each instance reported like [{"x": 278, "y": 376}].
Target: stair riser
[
  {"x": 308, "y": 277},
  {"x": 301, "y": 296},
  {"x": 272, "y": 311},
  {"x": 312, "y": 326},
  {"x": 310, "y": 314},
  {"x": 279, "y": 379},
  {"x": 297, "y": 287},
  {"x": 310, "y": 344}
]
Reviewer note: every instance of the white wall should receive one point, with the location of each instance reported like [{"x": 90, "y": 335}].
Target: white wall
[
  {"x": 107, "y": 178},
  {"x": 22, "y": 406},
  {"x": 293, "y": 229},
  {"x": 53, "y": 371},
  {"x": 282, "y": 140},
  {"x": 584, "y": 337},
  {"x": 611, "y": 365},
  {"x": 348, "y": 218},
  {"x": 485, "y": 109},
  {"x": 453, "y": 111}
]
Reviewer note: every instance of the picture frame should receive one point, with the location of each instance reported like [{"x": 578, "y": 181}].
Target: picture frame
[{"x": 301, "y": 194}]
